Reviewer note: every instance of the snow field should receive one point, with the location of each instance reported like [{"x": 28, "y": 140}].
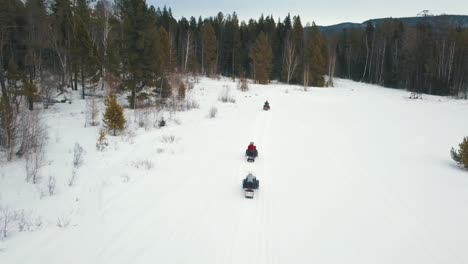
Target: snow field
[{"x": 351, "y": 174}]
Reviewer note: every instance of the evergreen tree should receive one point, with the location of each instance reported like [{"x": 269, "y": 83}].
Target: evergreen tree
[
  {"x": 316, "y": 58},
  {"x": 262, "y": 56},
  {"x": 84, "y": 52},
  {"x": 37, "y": 26},
  {"x": 114, "y": 119},
  {"x": 152, "y": 51},
  {"x": 62, "y": 36},
  {"x": 165, "y": 50},
  {"x": 135, "y": 22},
  {"x": 209, "y": 49},
  {"x": 461, "y": 155},
  {"x": 235, "y": 47},
  {"x": 298, "y": 42}
]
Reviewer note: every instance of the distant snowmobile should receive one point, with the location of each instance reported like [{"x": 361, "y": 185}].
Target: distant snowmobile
[
  {"x": 249, "y": 184},
  {"x": 266, "y": 106},
  {"x": 251, "y": 153}
]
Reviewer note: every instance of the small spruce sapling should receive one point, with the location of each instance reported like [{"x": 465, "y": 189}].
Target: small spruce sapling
[
  {"x": 460, "y": 156},
  {"x": 114, "y": 119}
]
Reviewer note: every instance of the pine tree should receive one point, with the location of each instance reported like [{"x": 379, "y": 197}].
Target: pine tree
[
  {"x": 316, "y": 58},
  {"x": 62, "y": 36},
  {"x": 135, "y": 22},
  {"x": 262, "y": 56},
  {"x": 165, "y": 48},
  {"x": 209, "y": 47},
  {"x": 460, "y": 156},
  {"x": 152, "y": 63},
  {"x": 83, "y": 50},
  {"x": 114, "y": 119},
  {"x": 102, "y": 142}
]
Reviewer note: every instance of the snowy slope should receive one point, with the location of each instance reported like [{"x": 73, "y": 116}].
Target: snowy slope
[{"x": 353, "y": 174}]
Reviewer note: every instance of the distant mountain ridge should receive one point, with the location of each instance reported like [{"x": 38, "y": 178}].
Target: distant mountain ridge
[{"x": 455, "y": 20}]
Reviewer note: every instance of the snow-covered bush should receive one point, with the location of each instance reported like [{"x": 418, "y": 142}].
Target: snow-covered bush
[
  {"x": 159, "y": 150},
  {"x": 8, "y": 131},
  {"x": 92, "y": 112},
  {"x": 72, "y": 179},
  {"x": 226, "y": 96},
  {"x": 191, "y": 85},
  {"x": 213, "y": 112},
  {"x": 17, "y": 221},
  {"x": 415, "y": 95},
  {"x": 142, "y": 117},
  {"x": 460, "y": 156},
  {"x": 33, "y": 138},
  {"x": 168, "y": 138},
  {"x": 143, "y": 164},
  {"x": 102, "y": 142},
  {"x": 51, "y": 185},
  {"x": 177, "y": 121},
  {"x": 6, "y": 220},
  {"x": 26, "y": 221},
  {"x": 34, "y": 161},
  {"x": 181, "y": 91},
  {"x": 129, "y": 137},
  {"x": 243, "y": 85},
  {"x": 63, "y": 221},
  {"x": 78, "y": 152},
  {"x": 191, "y": 104},
  {"x": 125, "y": 177}
]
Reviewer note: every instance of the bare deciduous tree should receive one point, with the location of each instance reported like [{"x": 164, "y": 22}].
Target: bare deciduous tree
[
  {"x": 331, "y": 60},
  {"x": 6, "y": 219},
  {"x": 78, "y": 152},
  {"x": 291, "y": 60},
  {"x": 188, "y": 49},
  {"x": 33, "y": 140},
  {"x": 243, "y": 84},
  {"x": 92, "y": 112},
  {"x": 51, "y": 185}
]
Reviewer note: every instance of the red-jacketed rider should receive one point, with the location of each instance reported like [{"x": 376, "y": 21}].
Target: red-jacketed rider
[{"x": 252, "y": 149}]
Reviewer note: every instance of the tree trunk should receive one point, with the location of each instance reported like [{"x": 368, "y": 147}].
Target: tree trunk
[
  {"x": 75, "y": 85},
  {"x": 187, "y": 50},
  {"x": 83, "y": 85},
  {"x": 367, "y": 57},
  {"x": 381, "y": 82}
]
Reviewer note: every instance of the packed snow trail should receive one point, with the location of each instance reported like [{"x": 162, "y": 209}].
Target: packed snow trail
[{"x": 252, "y": 241}]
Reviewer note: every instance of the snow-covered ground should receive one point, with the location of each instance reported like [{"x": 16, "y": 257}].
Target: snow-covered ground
[{"x": 351, "y": 174}]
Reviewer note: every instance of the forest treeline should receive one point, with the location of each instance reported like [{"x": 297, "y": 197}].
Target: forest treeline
[
  {"x": 424, "y": 58},
  {"x": 126, "y": 45}
]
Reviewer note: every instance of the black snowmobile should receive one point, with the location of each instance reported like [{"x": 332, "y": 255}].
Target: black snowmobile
[
  {"x": 249, "y": 184},
  {"x": 251, "y": 155}
]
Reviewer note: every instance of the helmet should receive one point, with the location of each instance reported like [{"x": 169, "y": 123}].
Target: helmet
[{"x": 251, "y": 143}]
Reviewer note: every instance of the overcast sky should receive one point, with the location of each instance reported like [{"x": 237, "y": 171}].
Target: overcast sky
[{"x": 325, "y": 12}]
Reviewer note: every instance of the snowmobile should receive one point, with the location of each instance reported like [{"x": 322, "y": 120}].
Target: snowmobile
[
  {"x": 266, "y": 107},
  {"x": 249, "y": 184},
  {"x": 251, "y": 155}
]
